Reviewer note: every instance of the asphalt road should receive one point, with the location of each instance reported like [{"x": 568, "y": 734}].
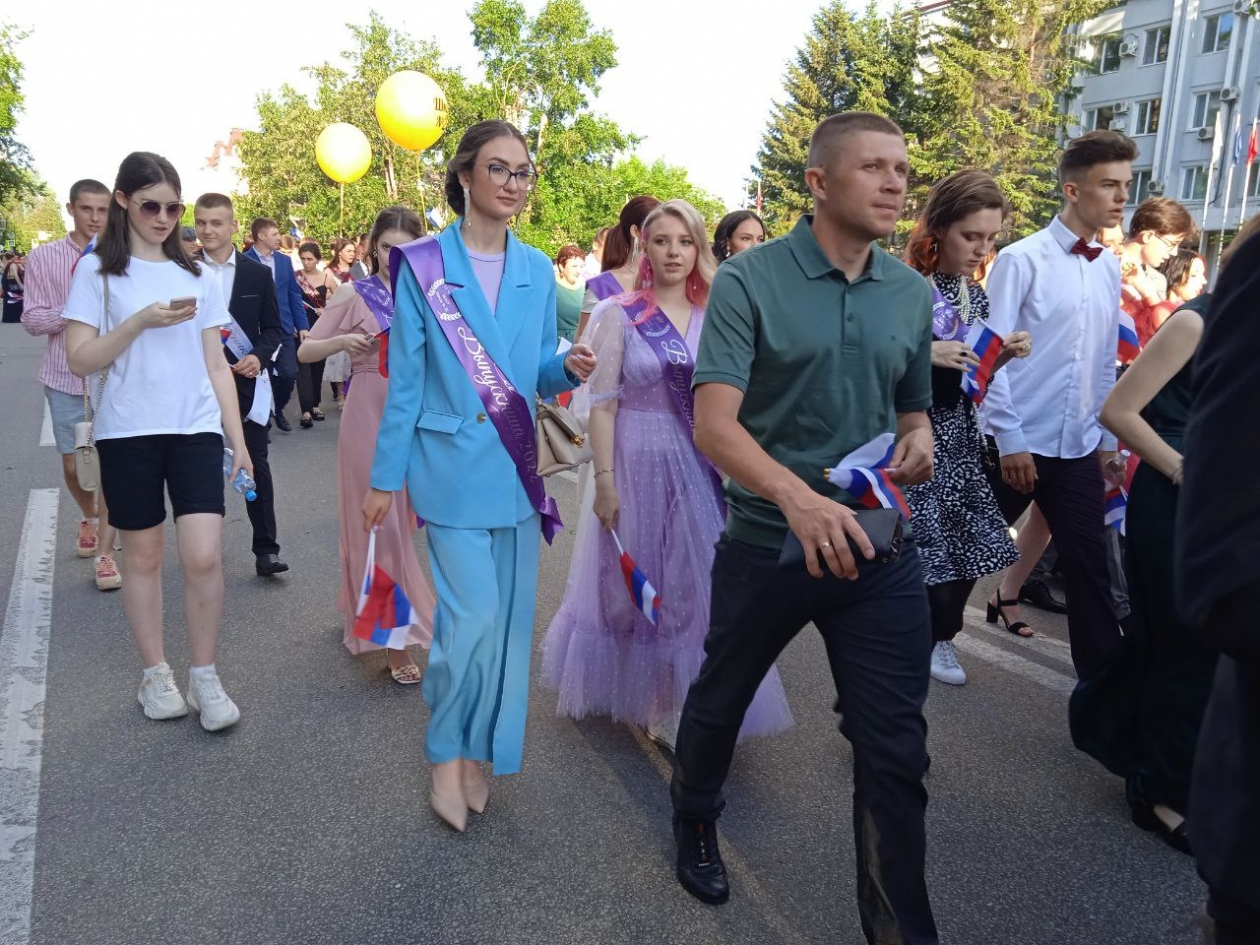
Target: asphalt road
[{"x": 309, "y": 822}]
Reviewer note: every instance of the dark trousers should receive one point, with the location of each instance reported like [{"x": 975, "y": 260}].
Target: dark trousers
[
  {"x": 262, "y": 511},
  {"x": 284, "y": 372},
  {"x": 947, "y": 603},
  {"x": 309, "y": 383},
  {"x": 1070, "y": 495},
  {"x": 878, "y": 639}
]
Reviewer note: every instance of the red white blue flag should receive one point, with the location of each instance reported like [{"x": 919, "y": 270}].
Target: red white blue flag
[
  {"x": 1127, "y": 349},
  {"x": 86, "y": 249},
  {"x": 644, "y": 595},
  {"x": 225, "y": 334},
  {"x": 864, "y": 475},
  {"x": 1116, "y": 504},
  {"x": 384, "y": 615},
  {"x": 987, "y": 346}
]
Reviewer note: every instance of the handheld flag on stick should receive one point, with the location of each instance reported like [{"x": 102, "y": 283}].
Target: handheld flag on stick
[
  {"x": 1116, "y": 504},
  {"x": 1127, "y": 348},
  {"x": 987, "y": 345},
  {"x": 384, "y": 615},
  {"x": 225, "y": 334},
  {"x": 864, "y": 475},
  {"x": 644, "y": 595}
]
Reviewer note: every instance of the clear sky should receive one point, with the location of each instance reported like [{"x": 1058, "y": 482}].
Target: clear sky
[{"x": 696, "y": 78}]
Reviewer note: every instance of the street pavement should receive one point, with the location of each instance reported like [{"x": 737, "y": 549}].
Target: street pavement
[{"x": 308, "y": 823}]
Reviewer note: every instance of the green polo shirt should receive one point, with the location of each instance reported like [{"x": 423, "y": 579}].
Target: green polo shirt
[{"x": 825, "y": 364}]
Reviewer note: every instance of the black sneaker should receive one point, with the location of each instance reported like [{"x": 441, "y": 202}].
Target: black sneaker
[
  {"x": 700, "y": 868},
  {"x": 1037, "y": 593},
  {"x": 282, "y": 423}
]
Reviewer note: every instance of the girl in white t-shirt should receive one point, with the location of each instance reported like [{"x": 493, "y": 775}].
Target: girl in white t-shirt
[{"x": 169, "y": 402}]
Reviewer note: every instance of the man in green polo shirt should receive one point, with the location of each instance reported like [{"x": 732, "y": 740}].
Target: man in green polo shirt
[{"x": 814, "y": 344}]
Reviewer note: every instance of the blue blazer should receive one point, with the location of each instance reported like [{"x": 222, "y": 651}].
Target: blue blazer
[
  {"x": 292, "y": 311},
  {"x": 435, "y": 435}
]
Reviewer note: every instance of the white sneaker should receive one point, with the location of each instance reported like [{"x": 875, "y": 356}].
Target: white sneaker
[
  {"x": 206, "y": 696},
  {"x": 160, "y": 696},
  {"x": 664, "y": 731},
  {"x": 945, "y": 664}
]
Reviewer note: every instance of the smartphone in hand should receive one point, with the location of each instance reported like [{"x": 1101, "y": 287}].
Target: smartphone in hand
[{"x": 189, "y": 301}]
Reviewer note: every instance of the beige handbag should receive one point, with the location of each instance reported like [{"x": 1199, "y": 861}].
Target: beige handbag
[
  {"x": 562, "y": 443},
  {"x": 87, "y": 462}
]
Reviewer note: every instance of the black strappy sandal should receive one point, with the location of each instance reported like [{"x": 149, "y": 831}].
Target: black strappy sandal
[{"x": 996, "y": 611}]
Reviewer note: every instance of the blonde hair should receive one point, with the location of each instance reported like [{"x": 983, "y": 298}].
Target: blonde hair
[{"x": 701, "y": 275}]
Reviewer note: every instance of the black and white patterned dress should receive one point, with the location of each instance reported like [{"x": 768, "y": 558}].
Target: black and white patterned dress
[{"x": 956, "y": 520}]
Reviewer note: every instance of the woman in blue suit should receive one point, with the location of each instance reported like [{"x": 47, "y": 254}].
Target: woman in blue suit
[{"x": 440, "y": 434}]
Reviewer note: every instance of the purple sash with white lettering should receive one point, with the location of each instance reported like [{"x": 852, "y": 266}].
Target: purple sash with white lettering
[
  {"x": 677, "y": 366},
  {"x": 503, "y": 403},
  {"x": 605, "y": 286},
  {"x": 377, "y": 298}
]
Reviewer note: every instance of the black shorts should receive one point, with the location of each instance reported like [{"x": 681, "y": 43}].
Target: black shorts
[{"x": 135, "y": 468}]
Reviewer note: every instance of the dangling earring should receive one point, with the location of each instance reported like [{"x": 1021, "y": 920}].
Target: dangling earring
[
  {"x": 935, "y": 247},
  {"x": 634, "y": 249},
  {"x": 467, "y": 208}
]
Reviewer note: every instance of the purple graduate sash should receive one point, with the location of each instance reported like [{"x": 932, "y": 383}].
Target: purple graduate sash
[
  {"x": 381, "y": 304},
  {"x": 503, "y": 403},
  {"x": 678, "y": 368},
  {"x": 605, "y": 286}
]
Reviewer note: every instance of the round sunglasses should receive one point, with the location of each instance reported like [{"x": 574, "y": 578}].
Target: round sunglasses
[{"x": 152, "y": 209}]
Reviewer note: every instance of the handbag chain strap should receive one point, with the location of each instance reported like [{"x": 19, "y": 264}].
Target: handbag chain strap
[{"x": 89, "y": 415}]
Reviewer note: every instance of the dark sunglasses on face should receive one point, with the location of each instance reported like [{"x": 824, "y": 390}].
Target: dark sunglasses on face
[{"x": 152, "y": 209}]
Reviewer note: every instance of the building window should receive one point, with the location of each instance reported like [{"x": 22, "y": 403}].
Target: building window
[
  {"x": 1155, "y": 49},
  {"x": 1140, "y": 189},
  {"x": 1253, "y": 180},
  {"x": 1194, "y": 182},
  {"x": 1098, "y": 119},
  {"x": 1217, "y": 31},
  {"x": 1207, "y": 105},
  {"x": 1147, "y": 117},
  {"x": 1107, "y": 54}
]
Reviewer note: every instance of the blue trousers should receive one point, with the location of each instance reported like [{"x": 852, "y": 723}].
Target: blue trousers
[{"x": 477, "y": 681}]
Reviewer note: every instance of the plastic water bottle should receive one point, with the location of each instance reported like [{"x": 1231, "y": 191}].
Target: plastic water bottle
[{"x": 243, "y": 483}]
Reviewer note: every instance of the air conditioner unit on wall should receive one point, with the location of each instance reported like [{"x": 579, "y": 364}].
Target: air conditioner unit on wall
[
  {"x": 1129, "y": 48},
  {"x": 1120, "y": 108},
  {"x": 1205, "y": 134},
  {"x": 1229, "y": 93},
  {"x": 1118, "y": 124},
  {"x": 1155, "y": 188},
  {"x": 1242, "y": 7}
]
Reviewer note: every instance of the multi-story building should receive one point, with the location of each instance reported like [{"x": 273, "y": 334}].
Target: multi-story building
[{"x": 1182, "y": 78}]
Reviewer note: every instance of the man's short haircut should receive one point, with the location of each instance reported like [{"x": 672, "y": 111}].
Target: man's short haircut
[
  {"x": 261, "y": 225},
  {"x": 214, "y": 202},
  {"x": 1163, "y": 216},
  {"x": 87, "y": 186},
  {"x": 1093, "y": 148},
  {"x": 831, "y": 130}
]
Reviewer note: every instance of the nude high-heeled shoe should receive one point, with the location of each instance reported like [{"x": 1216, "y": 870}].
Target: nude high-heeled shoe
[
  {"x": 452, "y": 808},
  {"x": 476, "y": 790}
]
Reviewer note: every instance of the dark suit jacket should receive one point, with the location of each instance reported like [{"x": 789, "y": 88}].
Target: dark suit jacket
[
  {"x": 255, "y": 307},
  {"x": 292, "y": 312}
]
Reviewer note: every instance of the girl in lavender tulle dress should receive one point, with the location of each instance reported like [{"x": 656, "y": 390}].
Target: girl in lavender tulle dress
[{"x": 659, "y": 493}]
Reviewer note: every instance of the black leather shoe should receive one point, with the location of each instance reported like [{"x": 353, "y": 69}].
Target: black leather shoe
[
  {"x": 1038, "y": 594},
  {"x": 700, "y": 867},
  {"x": 269, "y": 564},
  {"x": 283, "y": 424},
  {"x": 1179, "y": 838}
]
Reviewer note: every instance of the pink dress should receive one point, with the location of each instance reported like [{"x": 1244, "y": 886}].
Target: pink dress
[{"x": 346, "y": 312}]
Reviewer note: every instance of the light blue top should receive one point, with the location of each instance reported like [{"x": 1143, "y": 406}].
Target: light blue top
[{"x": 435, "y": 435}]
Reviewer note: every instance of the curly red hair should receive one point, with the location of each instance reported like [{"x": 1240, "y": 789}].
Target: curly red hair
[{"x": 950, "y": 200}]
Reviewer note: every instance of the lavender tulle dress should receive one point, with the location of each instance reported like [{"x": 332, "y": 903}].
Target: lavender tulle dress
[{"x": 601, "y": 654}]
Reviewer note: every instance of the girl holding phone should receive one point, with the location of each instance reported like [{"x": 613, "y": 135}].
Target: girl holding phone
[{"x": 139, "y": 310}]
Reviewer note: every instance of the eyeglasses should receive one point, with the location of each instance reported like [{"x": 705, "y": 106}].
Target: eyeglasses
[
  {"x": 1173, "y": 245},
  {"x": 500, "y": 175},
  {"x": 152, "y": 209}
]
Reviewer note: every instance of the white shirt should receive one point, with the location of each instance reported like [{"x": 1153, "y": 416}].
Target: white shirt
[
  {"x": 270, "y": 263},
  {"x": 225, "y": 272},
  {"x": 159, "y": 384},
  {"x": 1048, "y": 403}
]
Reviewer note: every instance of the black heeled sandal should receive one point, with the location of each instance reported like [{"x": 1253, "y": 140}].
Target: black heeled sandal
[{"x": 995, "y": 611}]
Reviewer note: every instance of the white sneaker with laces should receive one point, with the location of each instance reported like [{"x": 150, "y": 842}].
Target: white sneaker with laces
[
  {"x": 945, "y": 667},
  {"x": 160, "y": 696},
  {"x": 206, "y": 696},
  {"x": 664, "y": 731}
]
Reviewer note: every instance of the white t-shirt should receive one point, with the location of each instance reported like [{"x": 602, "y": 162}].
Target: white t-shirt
[{"x": 159, "y": 384}]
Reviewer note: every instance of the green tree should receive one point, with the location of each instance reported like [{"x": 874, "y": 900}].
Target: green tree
[
  {"x": 995, "y": 90},
  {"x": 848, "y": 62},
  {"x": 33, "y": 217},
  {"x": 16, "y": 175}
]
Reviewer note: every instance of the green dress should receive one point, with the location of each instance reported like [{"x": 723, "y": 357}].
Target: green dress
[{"x": 568, "y": 309}]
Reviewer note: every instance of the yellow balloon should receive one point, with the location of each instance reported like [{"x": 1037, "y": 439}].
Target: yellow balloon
[
  {"x": 343, "y": 152},
  {"x": 411, "y": 109}
]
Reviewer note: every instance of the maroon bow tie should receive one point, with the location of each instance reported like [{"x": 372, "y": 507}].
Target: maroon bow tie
[{"x": 1082, "y": 248}]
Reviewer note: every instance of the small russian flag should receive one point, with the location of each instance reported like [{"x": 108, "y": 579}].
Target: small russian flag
[
  {"x": 864, "y": 475},
  {"x": 1127, "y": 349},
  {"x": 644, "y": 595},
  {"x": 1116, "y": 504},
  {"x": 224, "y": 334},
  {"x": 987, "y": 345},
  {"x": 86, "y": 249},
  {"x": 384, "y": 615}
]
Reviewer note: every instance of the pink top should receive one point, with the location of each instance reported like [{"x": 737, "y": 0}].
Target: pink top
[{"x": 48, "y": 270}]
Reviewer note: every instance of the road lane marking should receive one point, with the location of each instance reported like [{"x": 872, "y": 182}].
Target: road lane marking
[
  {"x": 23, "y": 673},
  {"x": 1042, "y": 644},
  {"x": 46, "y": 437},
  {"x": 1012, "y": 662}
]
